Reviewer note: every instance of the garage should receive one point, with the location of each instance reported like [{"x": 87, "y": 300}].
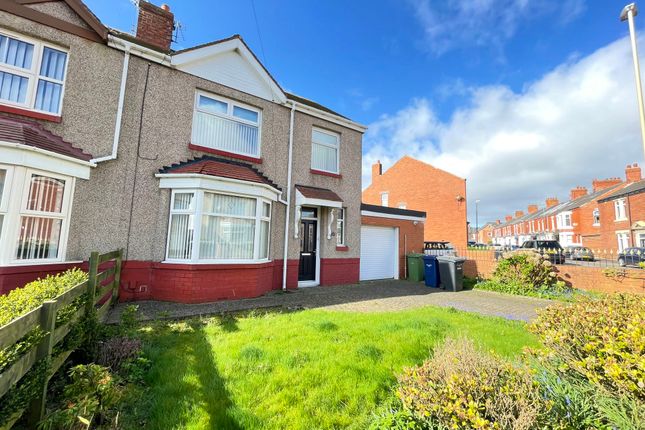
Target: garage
[
  {"x": 379, "y": 250},
  {"x": 387, "y": 235}
]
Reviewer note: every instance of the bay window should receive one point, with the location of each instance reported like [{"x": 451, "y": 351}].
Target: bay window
[
  {"x": 34, "y": 215},
  {"x": 217, "y": 227},
  {"x": 325, "y": 150},
  {"x": 226, "y": 125},
  {"x": 32, "y": 74}
]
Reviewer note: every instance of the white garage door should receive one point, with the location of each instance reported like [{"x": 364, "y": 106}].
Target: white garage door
[{"x": 379, "y": 251}]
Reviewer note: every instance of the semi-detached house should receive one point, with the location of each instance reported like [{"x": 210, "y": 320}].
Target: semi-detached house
[{"x": 210, "y": 176}]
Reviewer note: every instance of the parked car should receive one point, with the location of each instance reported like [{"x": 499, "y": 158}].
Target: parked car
[
  {"x": 549, "y": 248},
  {"x": 631, "y": 257},
  {"x": 439, "y": 248},
  {"x": 579, "y": 253}
]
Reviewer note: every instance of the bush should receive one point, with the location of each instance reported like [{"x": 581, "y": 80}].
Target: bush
[
  {"x": 115, "y": 352},
  {"x": 461, "y": 387},
  {"x": 603, "y": 340},
  {"x": 526, "y": 273}
]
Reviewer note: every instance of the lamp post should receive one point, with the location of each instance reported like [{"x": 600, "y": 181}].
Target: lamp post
[
  {"x": 476, "y": 220},
  {"x": 628, "y": 14}
]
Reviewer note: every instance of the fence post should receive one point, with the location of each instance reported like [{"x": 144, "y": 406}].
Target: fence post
[
  {"x": 117, "y": 276},
  {"x": 36, "y": 409},
  {"x": 91, "y": 282}
]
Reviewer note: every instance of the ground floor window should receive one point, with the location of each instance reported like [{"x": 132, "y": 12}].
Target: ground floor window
[
  {"x": 623, "y": 241},
  {"x": 216, "y": 227},
  {"x": 34, "y": 214}
]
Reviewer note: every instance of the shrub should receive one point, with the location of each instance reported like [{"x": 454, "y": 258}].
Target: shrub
[
  {"x": 461, "y": 387},
  {"x": 90, "y": 396},
  {"x": 115, "y": 352},
  {"x": 603, "y": 340},
  {"x": 526, "y": 273}
]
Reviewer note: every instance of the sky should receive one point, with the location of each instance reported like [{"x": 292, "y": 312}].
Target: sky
[{"x": 526, "y": 99}]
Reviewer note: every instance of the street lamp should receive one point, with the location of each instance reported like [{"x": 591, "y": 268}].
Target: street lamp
[
  {"x": 628, "y": 14},
  {"x": 476, "y": 220}
]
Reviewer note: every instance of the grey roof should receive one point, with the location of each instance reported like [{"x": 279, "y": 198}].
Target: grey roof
[
  {"x": 631, "y": 189},
  {"x": 573, "y": 204}
]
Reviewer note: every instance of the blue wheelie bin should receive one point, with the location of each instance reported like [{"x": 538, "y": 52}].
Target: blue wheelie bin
[{"x": 431, "y": 270}]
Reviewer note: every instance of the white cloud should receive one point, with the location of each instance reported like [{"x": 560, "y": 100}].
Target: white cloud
[
  {"x": 577, "y": 123},
  {"x": 453, "y": 24}
]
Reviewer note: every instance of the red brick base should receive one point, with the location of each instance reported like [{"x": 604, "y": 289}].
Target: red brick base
[
  {"x": 339, "y": 271},
  {"x": 17, "y": 276}
]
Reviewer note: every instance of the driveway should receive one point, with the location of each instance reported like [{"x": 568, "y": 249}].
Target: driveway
[{"x": 376, "y": 296}]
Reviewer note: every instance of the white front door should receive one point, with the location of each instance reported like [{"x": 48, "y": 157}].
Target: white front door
[{"x": 379, "y": 253}]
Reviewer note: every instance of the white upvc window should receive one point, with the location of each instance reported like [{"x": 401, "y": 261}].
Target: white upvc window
[
  {"x": 340, "y": 227},
  {"x": 32, "y": 73},
  {"x": 325, "y": 153},
  {"x": 34, "y": 215},
  {"x": 596, "y": 217},
  {"x": 623, "y": 241},
  {"x": 620, "y": 209},
  {"x": 214, "y": 227},
  {"x": 385, "y": 199},
  {"x": 402, "y": 205},
  {"x": 226, "y": 125}
]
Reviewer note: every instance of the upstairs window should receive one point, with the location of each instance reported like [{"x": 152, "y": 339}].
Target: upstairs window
[
  {"x": 596, "y": 217},
  {"x": 226, "y": 125},
  {"x": 385, "y": 197},
  {"x": 324, "y": 150},
  {"x": 620, "y": 209},
  {"x": 32, "y": 74}
]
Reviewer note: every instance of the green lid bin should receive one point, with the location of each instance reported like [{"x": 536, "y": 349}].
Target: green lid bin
[{"x": 415, "y": 267}]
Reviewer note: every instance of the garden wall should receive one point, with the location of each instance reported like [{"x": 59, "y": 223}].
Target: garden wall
[{"x": 481, "y": 264}]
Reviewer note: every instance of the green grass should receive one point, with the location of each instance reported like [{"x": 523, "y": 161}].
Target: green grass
[{"x": 305, "y": 370}]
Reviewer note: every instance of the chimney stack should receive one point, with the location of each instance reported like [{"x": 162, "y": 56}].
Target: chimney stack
[
  {"x": 633, "y": 173},
  {"x": 508, "y": 218},
  {"x": 499, "y": 221},
  {"x": 552, "y": 201},
  {"x": 155, "y": 25},
  {"x": 601, "y": 184},
  {"x": 518, "y": 214},
  {"x": 532, "y": 209},
  {"x": 377, "y": 169},
  {"x": 578, "y": 192}
]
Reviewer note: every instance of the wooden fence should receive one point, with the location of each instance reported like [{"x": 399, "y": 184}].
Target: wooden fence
[{"x": 98, "y": 285}]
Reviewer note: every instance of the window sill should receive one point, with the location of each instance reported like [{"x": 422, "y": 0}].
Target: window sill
[
  {"x": 30, "y": 113},
  {"x": 621, "y": 220},
  {"x": 323, "y": 173},
  {"x": 225, "y": 153},
  {"x": 342, "y": 248}
]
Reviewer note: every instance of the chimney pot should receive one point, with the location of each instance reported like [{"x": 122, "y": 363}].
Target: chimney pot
[{"x": 165, "y": 7}]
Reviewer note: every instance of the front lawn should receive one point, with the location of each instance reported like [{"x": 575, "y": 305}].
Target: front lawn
[{"x": 304, "y": 370}]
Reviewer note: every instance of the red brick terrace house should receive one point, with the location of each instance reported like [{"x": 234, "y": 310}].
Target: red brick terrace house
[
  {"x": 215, "y": 181},
  {"x": 413, "y": 184}
]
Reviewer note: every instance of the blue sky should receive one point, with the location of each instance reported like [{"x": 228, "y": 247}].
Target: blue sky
[{"x": 450, "y": 82}]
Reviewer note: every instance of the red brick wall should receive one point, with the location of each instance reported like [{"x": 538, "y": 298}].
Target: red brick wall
[
  {"x": 17, "y": 276},
  {"x": 425, "y": 188},
  {"x": 410, "y": 237},
  {"x": 339, "y": 271},
  {"x": 482, "y": 264},
  {"x": 609, "y": 226}
]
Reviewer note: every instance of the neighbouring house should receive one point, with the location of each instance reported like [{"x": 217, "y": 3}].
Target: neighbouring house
[
  {"x": 610, "y": 218},
  {"x": 413, "y": 184},
  {"x": 202, "y": 167},
  {"x": 484, "y": 234}
]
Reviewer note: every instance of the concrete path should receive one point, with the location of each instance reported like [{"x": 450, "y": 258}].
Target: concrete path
[{"x": 377, "y": 296}]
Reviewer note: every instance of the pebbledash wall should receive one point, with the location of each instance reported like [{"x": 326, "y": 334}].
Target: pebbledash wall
[
  {"x": 122, "y": 206},
  {"x": 481, "y": 264}
]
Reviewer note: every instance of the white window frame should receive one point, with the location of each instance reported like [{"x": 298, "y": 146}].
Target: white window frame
[
  {"x": 33, "y": 74},
  {"x": 595, "y": 217},
  {"x": 13, "y": 207},
  {"x": 620, "y": 209},
  {"x": 385, "y": 199},
  {"x": 340, "y": 221},
  {"x": 336, "y": 147},
  {"x": 198, "y": 212},
  {"x": 231, "y": 104},
  {"x": 623, "y": 240}
]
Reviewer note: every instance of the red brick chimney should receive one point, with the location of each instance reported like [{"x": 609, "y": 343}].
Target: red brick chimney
[
  {"x": 508, "y": 218},
  {"x": 518, "y": 214},
  {"x": 552, "y": 201},
  {"x": 633, "y": 173},
  {"x": 377, "y": 169},
  {"x": 155, "y": 25},
  {"x": 578, "y": 192},
  {"x": 601, "y": 184},
  {"x": 532, "y": 209},
  {"x": 499, "y": 221}
]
